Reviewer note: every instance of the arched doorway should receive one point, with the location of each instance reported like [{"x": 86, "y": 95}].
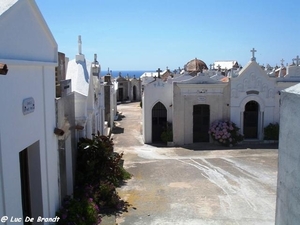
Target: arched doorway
[
  {"x": 159, "y": 121},
  {"x": 201, "y": 119},
  {"x": 134, "y": 93},
  {"x": 251, "y": 120}
]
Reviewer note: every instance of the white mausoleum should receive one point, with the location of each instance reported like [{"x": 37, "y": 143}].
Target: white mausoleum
[
  {"x": 29, "y": 182},
  {"x": 192, "y": 101}
]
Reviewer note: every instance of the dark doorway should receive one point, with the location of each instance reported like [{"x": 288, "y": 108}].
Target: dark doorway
[
  {"x": 134, "y": 93},
  {"x": 25, "y": 183},
  {"x": 251, "y": 120},
  {"x": 159, "y": 121},
  {"x": 201, "y": 114},
  {"x": 120, "y": 94}
]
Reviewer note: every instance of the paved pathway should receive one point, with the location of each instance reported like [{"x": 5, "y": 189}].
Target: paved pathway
[{"x": 187, "y": 186}]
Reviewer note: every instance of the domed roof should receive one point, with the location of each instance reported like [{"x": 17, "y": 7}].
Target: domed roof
[{"x": 195, "y": 66}]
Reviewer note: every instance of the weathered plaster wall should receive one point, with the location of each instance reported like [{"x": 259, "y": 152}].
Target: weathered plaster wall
[{"x": 288, "y": 184}]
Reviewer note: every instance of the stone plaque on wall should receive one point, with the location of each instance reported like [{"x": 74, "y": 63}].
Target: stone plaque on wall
[
  {"x": 28, "y": 105},
  {"x": 202, "y": 99}
]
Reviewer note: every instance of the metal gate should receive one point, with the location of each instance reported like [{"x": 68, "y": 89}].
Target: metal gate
[
  {"x": 159, "y": 121},
  {"x": 201, "y": 119},
  {"x": 251, "y": 120}
]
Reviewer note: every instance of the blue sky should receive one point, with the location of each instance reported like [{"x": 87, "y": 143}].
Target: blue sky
[{"x": 145, "y": 35}]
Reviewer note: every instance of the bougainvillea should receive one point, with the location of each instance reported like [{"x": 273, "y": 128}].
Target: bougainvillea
[{"x": 225, "y": 132}]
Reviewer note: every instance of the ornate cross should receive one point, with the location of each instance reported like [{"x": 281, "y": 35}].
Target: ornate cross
[
  {"x": 297, "y": 60},
  {"x": 282, "y": 61},
  {"x": 158, "y": 71},
  {"x": 253, "y": 53}
]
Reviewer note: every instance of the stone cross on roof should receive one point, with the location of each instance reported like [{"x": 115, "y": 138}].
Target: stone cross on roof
[
  {"x": 158, "y": 71},
  {"x": 253, "y": 53},
  {"x": 219, "y": 67},
  {"x": 297, "y": 59},
  {"x": 282, "y": 61},
  {"x": 210, "y": 66},
  {"x": 79, "y": 45}
]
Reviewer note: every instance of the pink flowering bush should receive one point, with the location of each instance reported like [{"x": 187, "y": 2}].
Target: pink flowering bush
[{"x": 225, "y": 132}]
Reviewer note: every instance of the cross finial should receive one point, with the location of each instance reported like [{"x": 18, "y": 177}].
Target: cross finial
[
  {"x": 95, "y": 57},
  {"x": 219, "y": 67},
  {"x": 297, "y": 59},
  {"x": 108, "y": 71},
  {"x": 282, "y": 61},
  {"x": 158, "y": 71},
  {"x": 210, "y": 66},
  {"x": 79, "y": 45},
  {"x": 253, "y": 53}
]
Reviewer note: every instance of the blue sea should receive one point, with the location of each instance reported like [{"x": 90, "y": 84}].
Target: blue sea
[{"x": 124, "y": 73}]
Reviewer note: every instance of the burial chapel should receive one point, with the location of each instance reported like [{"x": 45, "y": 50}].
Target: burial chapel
[{"x": 193, "y": 99}]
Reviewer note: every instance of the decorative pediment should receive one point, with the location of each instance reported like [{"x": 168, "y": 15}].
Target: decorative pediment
[{"x": 252, "y": 80}]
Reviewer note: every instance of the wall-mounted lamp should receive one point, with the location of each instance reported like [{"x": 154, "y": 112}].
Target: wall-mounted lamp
[
  {"x": 58, "y": 132},
  {"x": 3, "y": 69}
]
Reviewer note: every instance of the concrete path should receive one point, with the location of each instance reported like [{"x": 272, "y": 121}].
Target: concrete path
[{"x": 191, "y": 187}]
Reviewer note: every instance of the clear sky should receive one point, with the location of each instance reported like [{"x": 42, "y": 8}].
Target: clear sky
[{"x": 145, "y": 35}]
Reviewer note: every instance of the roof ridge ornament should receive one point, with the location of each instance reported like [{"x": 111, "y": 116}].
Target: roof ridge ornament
[
  {"x": 79, "y": 45},
  {"x": 253, "y": 53}
]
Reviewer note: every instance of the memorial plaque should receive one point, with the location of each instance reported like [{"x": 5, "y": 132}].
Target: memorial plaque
[{"x": 28, "y": 105}]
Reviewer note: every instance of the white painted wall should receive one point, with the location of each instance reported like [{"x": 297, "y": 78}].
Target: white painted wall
[
  {"x": 20, "y": 131},
  {"x": 288, "y": 184}
]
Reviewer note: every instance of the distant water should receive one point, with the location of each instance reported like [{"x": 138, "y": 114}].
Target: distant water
[{"x": 124, "y": 73}]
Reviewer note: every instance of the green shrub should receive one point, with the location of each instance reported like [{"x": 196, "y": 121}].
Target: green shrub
[
  {"x": 271, "y": 132},
  {"x": 78, "y": 211},
  {"x": 96, "y": 160},
  {"x": 99, "y": 171}
]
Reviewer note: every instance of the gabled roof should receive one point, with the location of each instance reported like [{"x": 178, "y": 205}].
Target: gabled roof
[
  {"x": 25, "y": 34},
  {"x": 5, "y": 5}
]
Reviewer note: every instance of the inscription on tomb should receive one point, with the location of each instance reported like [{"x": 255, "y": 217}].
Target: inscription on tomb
[{"x": 28, "y": 105}]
